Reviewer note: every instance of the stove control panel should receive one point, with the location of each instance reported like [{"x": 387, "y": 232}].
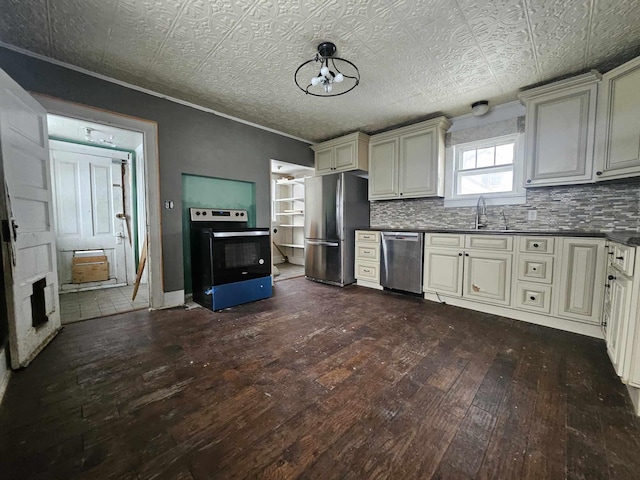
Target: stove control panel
[{"x": 217, "y": 215}]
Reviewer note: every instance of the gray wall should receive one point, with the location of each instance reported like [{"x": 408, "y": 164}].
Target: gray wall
[{"x": 190, "y": 141}]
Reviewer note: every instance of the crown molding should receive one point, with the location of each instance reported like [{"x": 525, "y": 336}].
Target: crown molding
[{"x": 131, "y": 86}]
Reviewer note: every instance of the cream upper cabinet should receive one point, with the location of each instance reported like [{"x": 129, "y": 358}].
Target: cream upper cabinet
[
  {"x": 560, "y": 131},
  {"x": 408, "y": 162},
  {"x": 618, "y": 124},
  {"x": 383, "y": 169},
  {"x": 581, "y": 285},
  {"x": 342, "y": 154}
]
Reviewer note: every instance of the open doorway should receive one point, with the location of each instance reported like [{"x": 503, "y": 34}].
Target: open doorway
[
  {"x": 287, "y": 218},
  {"x": 99, "y": 210}
]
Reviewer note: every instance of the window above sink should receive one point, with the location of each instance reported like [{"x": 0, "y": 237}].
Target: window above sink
[{"x": 491, "y": 167}]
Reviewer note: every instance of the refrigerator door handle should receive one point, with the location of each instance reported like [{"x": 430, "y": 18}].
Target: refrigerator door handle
[
  {"x": 322, "y": 242},
  {"x": 339, "y": 196}
]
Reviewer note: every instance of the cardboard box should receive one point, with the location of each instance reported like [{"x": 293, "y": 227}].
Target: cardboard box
[{"x": 90, "y": 269}]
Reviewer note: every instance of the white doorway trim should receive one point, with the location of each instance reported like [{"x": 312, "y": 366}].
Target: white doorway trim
[{"x": 149, "y": 129}]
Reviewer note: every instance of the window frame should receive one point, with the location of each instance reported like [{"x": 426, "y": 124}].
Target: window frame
[{"x": 453, "y": 162}]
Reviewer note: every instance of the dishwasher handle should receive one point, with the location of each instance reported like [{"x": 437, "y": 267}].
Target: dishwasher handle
[{"x": 401, "y": 236}]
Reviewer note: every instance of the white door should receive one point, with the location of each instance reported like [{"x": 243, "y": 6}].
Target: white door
[
  {"x": 88, "y": 193},
  {"x": 28, "y": 243}
]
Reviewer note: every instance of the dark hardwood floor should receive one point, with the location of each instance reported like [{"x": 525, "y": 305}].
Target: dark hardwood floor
[{"x": 318, "y": 382}]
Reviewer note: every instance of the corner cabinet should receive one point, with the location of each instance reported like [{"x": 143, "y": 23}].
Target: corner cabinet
[
  {"x": 342, "y": 154},
  {"x": 560, "y": 131},
  {"x": 618, "y": 124},
  {"x": 408, "y": 162}
]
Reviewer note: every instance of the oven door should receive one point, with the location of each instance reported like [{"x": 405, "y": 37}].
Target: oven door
[{"x": 240, "y": 255}]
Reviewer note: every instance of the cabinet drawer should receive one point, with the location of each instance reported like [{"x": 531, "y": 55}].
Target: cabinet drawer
[
  {"x": 367, "y": 236},
  {"x": 489, "y": 242},
  {"x": 533, "y": 297},
  {"x": 444, "y": 240},
  {"x": 368, "y": 271},
  {"x": 623, "y": 258},
  {"x": 537, "y": 244},
  {"x": 366, "y": 251},
  {"x": 535, "y": 268}
]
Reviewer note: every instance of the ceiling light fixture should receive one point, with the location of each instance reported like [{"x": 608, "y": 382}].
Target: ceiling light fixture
[
  {"x": 331, "y": 80},
  {"x": 479, "y": 108}
]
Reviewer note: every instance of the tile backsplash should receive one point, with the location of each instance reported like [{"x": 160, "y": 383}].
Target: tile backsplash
[{"x": 602, "y": 207}]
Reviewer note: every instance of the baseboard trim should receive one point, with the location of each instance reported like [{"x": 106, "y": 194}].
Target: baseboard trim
[
  {"x": 558, "y": 323},
  {"x": 634, "y": 393},
  {"x": 173, "y": 299},
  {"x": 5, "y": 373},
  {"x": 364, "y": 283}
]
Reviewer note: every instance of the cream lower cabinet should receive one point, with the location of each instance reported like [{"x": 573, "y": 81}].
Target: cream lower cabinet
[
  {"x": 487, "y": 277},
  {"x": 580, "y": 287},
  {"x": 553, "y": 281},
  {"x": 367, "y": 259},
  {"x": 483, "y": 276},
  {"x": 443, "y": 271}
]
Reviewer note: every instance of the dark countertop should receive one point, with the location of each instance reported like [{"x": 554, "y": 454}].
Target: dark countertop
[{"x": 627, "y": 238}]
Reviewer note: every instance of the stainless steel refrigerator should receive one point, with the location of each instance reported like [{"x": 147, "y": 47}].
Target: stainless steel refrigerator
[{"x": 335, "y": 206}]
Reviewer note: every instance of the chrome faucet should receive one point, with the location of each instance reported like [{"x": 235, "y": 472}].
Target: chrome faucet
[
  {"x": 481, "y": 213},
  {"x": 504, "y": 217}
]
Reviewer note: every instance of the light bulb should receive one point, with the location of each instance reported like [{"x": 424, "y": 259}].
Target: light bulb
[
  {"x": 339, "y": 78},
  {"x": 324, "y": 71},
  {"x": 315, "y": 81}
]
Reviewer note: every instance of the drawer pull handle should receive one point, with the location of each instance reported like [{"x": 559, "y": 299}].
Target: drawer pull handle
[
  {"x": 536, "y": 245},
  {"x": 619, "y": 258},
  {"x": 611, "y": 277},
  {"x": 532, "y": 297},
  {"x": 366, "y": 251},
  {"x": 366, "y": 270},
  {"x": 460, "y": 254},
  {"x": 534, "y": 269}
]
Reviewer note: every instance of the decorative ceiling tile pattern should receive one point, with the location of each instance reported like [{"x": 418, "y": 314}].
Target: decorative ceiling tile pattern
[{"x": 416, "y": 57}]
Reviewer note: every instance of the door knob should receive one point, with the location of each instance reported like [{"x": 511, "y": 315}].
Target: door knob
[{"x": 611, "y": 277}]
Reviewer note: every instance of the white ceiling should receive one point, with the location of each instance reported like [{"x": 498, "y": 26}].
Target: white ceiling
[
  {"x": 101, "y": 135},
  {"x": 416, "y": 57}
]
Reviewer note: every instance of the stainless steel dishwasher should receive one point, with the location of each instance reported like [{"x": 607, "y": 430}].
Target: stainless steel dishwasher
[{"x": 401, "y": 261}]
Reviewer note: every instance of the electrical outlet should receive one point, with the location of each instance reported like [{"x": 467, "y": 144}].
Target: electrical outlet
[{"x": 532, "y": 215}]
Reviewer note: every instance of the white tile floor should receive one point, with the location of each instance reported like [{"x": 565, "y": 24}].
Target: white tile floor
[{"x": 97, "y": 303}]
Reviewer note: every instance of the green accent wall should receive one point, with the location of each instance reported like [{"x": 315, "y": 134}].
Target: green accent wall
[{"x": 210, "y": 192}]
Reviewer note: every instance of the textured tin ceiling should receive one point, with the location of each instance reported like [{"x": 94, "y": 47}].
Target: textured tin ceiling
[{"x": 416, "y": 57}]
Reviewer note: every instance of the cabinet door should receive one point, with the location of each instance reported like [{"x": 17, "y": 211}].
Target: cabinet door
[
  {"x": 383, "y": 170},
  {"x": 487, "y": 277},
  {"x": 559, "y": 139},
  {"x": 443, "y": 271},
  {"x": 618, "y": 320},
  {"x": 619, "y": 122},
  {"x": 418, "y": 164},
  {"x": 581, "y": 280},
  {"x": 324, "y": 161},
  {"x": 345, "y": 157}
]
